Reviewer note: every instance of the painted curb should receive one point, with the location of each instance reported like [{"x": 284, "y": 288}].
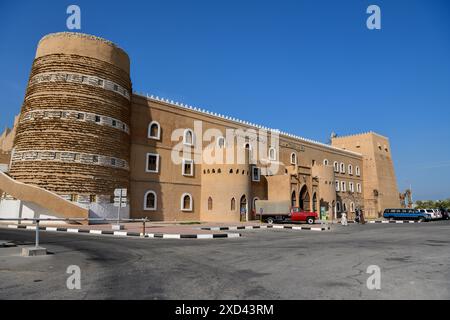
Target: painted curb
[
  {"x": 266, "y": 227},
  {"x": 385, "y": 221},
  {"x": 130, "y": 234}
]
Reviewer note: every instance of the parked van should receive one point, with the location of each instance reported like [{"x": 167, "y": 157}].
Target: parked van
[
  {"x": 431, "y": 212},
  {"x": 406, "y": 214}
]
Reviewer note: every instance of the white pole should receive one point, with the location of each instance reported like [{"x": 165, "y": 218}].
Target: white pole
[{"x": 118, "y": 209}]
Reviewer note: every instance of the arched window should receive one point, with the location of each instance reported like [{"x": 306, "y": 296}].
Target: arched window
[
  {"x": 358, "y": 187},
  {"x": 336, "y": 166},
  {"x": 358, "y": 171},
  {"x": 350, "y": 169},
  {"x": 188, "y": 137},
  {"x": 338, "y": 187},
  {"x": 220, "y": 142},
  {"x": 154, "y": 130},
  {"x": 342, "y": 167},
  {"x": 293, "y": 199},
  {"x": 272, "y": 154},
  {"x": 343, "y": 186},
  {"x": 233, "y": 204},
  {"x": 248, "y": 147},
  {"x": 352, "y": 207},
  {"x": 338, "y": 206},
  {"x": 344, "y": 207},
  {"x": 294, "y": 158},
  {"x": 150, "y": 201},
  {"x": 351, "y": 186},
  {"x": 210, "y": 203},
  {"x": 186, "y": 202},
  {"x": 325, "y": 162},
  {"x": 254, "y": 203}
]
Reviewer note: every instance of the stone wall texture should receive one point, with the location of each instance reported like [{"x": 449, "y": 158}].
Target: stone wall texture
[{"x": 73, "y": 134}]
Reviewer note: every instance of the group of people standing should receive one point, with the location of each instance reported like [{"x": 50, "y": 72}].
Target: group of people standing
[{"x": 359, "y": 217}]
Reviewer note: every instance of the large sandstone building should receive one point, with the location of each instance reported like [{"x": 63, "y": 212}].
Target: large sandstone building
[{"x": 82, "y": 133}]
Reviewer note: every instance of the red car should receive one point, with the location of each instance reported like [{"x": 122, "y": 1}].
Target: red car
[{"x": 296, "y": 215}]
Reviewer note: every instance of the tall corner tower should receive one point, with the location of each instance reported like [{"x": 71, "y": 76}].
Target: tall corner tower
[
  {"x": 380, "y": 183},
  {"x": 73, "y": 135}
]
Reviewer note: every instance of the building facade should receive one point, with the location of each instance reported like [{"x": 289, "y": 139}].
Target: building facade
[{"x": 82, "y": 133}]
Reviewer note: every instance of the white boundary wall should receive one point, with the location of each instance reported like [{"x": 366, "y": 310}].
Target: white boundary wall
[{"x": 17, "y": 209}]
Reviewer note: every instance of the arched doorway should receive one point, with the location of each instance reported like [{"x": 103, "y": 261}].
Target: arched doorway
[
  {"x": 293, "y": 199},
  {"x": 314, "y": 202},
  {"x": 243, "y": 208},
  {"x": 304, "y": 201}
]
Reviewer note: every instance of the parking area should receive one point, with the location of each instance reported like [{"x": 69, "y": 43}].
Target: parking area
[{"x": 274, "y": 264}]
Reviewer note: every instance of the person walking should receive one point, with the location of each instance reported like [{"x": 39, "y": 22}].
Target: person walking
[
  {"x": 361, "y": 218},
  {"x": 344, "y": 221}
]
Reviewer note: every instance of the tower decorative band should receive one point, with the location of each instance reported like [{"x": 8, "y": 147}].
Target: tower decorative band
[{"x": 73, "y": 135}]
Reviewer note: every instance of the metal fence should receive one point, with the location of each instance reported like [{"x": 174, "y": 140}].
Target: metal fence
[{"x": 38, "y": 220}]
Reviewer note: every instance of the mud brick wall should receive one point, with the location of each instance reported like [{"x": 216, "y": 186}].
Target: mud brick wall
[{"x": 73, "y": 135}]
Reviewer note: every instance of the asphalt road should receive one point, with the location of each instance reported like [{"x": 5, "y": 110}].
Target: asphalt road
[{"x": 265, "y": 264}]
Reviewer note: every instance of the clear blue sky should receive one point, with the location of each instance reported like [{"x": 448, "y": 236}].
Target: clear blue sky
[{"x": 306, "y": 67}]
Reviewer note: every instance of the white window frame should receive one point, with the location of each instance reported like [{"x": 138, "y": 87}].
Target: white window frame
[
  {"x": 295, "y": 158},
  {"x": 184, "y": 137},
  {"x": 357, "y": 171},
  {"x": 157, "y": 163},
  {"x": 184, "y": 162},
  {"x": 351, "y": 187},
  {"x": 342, "y": 167},
  {"x": 190, "y": 202},
  {"x": 145, "y": 201},
  {"x": 350, "y": 169},
  {"x": 352, "y": 207},
  {"x": 358, "y": 188},
  {"x": 325, "y": 162},
  {"x": 158, "y": 136},
  {"x": 259, "y": 174},
  {"x": 338, "y": 206},
  {"x": 337, "y": 185},
  {"x": 336, "y": 166},
  {"x": 343, "y": 186},
  {"x": 272, "y": 157}
]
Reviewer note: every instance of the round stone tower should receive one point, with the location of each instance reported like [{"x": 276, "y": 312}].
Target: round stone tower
[{"x": 73, "y": 135}]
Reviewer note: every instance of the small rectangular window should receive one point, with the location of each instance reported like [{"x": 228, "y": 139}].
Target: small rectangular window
[
  {"x": 152, "y": 163},
  {"x": 114, "y": 123},
  {"x": 80, "y": 116},
  {"x": 116, "y": 87},
  {"x": 113, "y": 161},
  {"x": 100, "y": 82},
  {"x": 97, "y": 119},
  {"x": 188, "y": 168},
  {"x": 256, "y": 174}
]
